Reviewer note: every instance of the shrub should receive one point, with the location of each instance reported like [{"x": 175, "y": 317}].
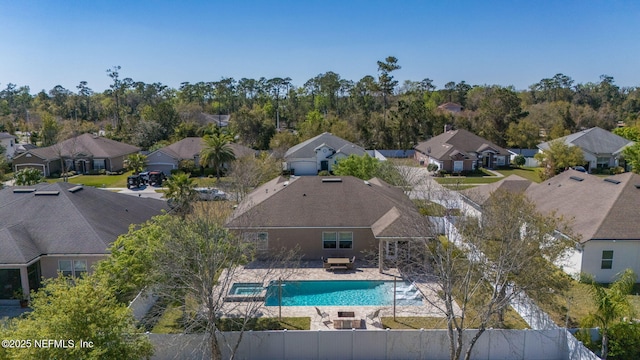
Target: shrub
[
  {"x": 324, "y": 173},
  {"x": 432, "y": 167},
  {"x": 442, "y": 173},
  {"x": 519, "y": 160},
  {"x": 616, "y": 170}
]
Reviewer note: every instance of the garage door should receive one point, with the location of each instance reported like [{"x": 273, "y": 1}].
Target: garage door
[
  {"x": 304, "y": 168},
  {"x": 165, "y": 168}
]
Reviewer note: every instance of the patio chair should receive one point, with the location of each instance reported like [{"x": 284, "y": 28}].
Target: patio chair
[
  {"x": 374, "y": 315},
  {"x": 322, "y": 316}
]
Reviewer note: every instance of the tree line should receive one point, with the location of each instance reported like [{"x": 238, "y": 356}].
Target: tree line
[{"x": 375, "y": 111}]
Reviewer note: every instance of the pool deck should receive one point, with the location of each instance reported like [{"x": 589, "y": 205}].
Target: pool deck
[{"x": 316, "y": 272}]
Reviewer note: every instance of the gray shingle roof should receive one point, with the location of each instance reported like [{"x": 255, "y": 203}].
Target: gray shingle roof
[
  {"x": 512, "y": 183},
  {"x": 598, "y": 209},
  {"x": 82, "y": 222},
  {"x": 188, "y": 148},
  {"x": 306, "y": 149},
  {"x": 87, "y": 144},
  {"x": 594, "y": 140},
  {"x": 6, "y": 135},
  {"x": 308, "y": 201},
  {"x": 443, "y": 146}
]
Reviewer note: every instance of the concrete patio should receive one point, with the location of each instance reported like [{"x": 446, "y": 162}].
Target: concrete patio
[{"x": 314, "y": 271}]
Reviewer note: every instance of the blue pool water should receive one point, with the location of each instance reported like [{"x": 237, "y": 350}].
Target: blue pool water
[{"x": 342, "y": 293}]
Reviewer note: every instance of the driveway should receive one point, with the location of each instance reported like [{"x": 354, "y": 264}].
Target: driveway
[{"x": 145, "y": 191}]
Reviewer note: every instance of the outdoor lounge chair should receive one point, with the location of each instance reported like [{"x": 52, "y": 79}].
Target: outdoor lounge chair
[
  {"x": 322, "y": 316},
  {"x": 374, "y": 315}
]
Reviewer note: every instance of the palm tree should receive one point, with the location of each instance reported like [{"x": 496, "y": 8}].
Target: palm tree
[
  {"x": 216, "y": 152},
  {"x": 611, "y": 305},
  {"x": 135, "y": 162},
  {"x": 180, "y": 192}
]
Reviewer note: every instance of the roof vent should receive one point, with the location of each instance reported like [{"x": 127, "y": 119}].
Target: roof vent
[
  {"x": 23, "y": 190},
  {"x": 285, "y": 183},
  {"x": 576, "y": 178},
  {"x": 613, "y": 181},
  {"x": 76, "y": 188},
  {"x": 637, "y": 186},
  {"x": 331, "y": 180},
  {"x": 48, "y": 192},
  {"x": 367, "y": 183}
]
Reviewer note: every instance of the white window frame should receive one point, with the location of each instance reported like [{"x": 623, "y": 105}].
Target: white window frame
[
  {"x": 606, "y": 260},
  {"x": 77, "y": 267},
  {"x": 336, "y": 238},
  {"x": 260, "y": 239}
]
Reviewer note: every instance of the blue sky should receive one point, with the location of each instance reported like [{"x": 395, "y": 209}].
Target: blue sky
[{"x": 49, "y": 43}]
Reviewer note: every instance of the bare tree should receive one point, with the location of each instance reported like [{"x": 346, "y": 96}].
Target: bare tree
[
  {"x": 478, "y": 267},
  {"x": 201, "y": 260},
  {"x": 249, "y": 172}
]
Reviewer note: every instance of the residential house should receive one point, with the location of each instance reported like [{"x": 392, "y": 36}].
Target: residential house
[
  {"x": 63, "y": 227},
  {"x": 321, "y": 153},
  {"x": 601, "y": 148},
  {"x": 169, "y": 157},
  {"x": 460, "y": 150},
  {"x": 603, "y": 216},
  {"x": 474, "y": 198},
  {"x": 84, "y": 154},
  {"x": 328, "y": 217},
  {"x": 601, "y": 213},
  {"x": 8, "y": 142}
]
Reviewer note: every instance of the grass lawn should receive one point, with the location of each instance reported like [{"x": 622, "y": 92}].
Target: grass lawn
[
  {"x": 98, "y": 180},
  {"x": 169, "y": 323},
  {"x": 579, "y": 303},
  {"x": 532, "y": 174},
  {"x": 512, "y": 321}
]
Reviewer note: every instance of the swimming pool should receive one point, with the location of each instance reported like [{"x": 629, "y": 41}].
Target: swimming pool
[{"x": 342, "y": 293}]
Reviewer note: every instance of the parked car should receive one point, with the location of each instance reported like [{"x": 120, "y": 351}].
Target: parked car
[
  {"x": 211, "y": 194},
  {"x": 580, "y": 168},
  {"x": 156, "y": 178},
  {"x": 145, "y": 176},
  {"x": 134, "y": 181}
]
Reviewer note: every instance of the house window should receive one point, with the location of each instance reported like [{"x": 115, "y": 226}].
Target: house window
[
  {"x": 346, "y": 240},
  {"x": 98, "y": 164},
  {"x": 458, "y": 166},
  {"x": 607, "y": 259},
  {"x": 72, "y": 268},
  {"x": 260, "y": 239},
  {"x": 337, "y": 240},
  {"x": 602, "y": 162},
  {"x": 329, "y": 240}
]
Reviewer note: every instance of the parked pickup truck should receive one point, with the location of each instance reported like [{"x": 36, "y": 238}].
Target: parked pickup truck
[{"x": 211, "y": 194}]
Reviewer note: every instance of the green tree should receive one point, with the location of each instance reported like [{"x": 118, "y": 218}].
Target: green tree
[
  {"x": 628, "y": 132},
  {"x": 558, "y": 157},
  {"x": 82, "y": 309},
  {"x": 523, "y": 135},
  {"x": 519, "y": 160},
  {"x": 386, "y": 83},
  {"x": 612, "y": 305},
  {"x": 509, "y": 252},
  {"x": 50, "y": 130},
  {"x": 216, "y": 152},
  {"x": 135, "y": 162},
  {"x": 180, "y": 192},
  {"x": 631, "y": 155},
  {"x": 28, "y": 176},
  {"x": 363, "y": 167}
]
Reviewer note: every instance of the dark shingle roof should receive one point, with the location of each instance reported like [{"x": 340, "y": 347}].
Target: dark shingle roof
[
  {"x": 83, "y": 222},
  {"x": 594, "y": 140},
  {"x": 306, "y": 149},
  {"x": 188, "y": 148},
  {"x": 443, "y": 146},
  {"x": 87, "y": 144},
  {"x": 599, "y": 209},
  {"x": 512, "y": 183},
  {"x": 310, "y": 201}
]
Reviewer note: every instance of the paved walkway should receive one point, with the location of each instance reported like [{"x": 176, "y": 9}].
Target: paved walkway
[
  {"x": 315, "y": 271},
  {"x": 145, "y": 191}
]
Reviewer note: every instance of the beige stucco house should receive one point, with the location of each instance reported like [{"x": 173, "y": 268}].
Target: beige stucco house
[{"x": 63, "y": 227}]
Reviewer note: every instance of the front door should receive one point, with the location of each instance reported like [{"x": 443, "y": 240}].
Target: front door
[{"x": 324, "y": 165}]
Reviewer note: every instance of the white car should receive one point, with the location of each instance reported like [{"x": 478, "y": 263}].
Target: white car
[{"x": 211, "y": 194}]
